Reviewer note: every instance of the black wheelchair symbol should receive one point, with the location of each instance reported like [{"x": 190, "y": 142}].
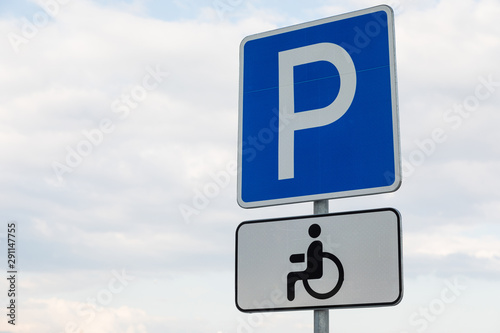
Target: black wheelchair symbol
[{"x": 314, "y": 269}]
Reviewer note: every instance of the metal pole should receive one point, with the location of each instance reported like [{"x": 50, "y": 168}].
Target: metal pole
[
  {"x": 321, "y": 321},
  {"x": 320, "y": 207},
  {"x": 321, "y": 317}
]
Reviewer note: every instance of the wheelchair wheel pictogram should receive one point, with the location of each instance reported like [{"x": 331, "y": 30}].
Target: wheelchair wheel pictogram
[
  {"x": 314, "y": 268},
  {"x": 337, "y": 286}
]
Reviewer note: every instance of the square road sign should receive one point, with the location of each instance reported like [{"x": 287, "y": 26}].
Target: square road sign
[{"x": 318, "y": 114}]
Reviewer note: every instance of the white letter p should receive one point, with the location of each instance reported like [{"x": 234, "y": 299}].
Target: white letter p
[{"x": 312, "y": 118}]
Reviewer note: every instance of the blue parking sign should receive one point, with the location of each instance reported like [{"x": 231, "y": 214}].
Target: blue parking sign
[{"x": 318, "y": 114}]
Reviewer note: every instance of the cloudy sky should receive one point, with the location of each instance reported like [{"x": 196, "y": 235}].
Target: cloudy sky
[{"x": 116, "y": 115}]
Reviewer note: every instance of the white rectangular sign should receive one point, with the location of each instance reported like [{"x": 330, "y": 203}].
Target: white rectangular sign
[{"x": 320, "y": 261}]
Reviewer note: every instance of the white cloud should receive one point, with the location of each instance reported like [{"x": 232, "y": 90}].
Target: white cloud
[
  {"x": 119, "y": 207},
  {"x": 56, "y": 314},
  {"x": 446, "y": 240}
]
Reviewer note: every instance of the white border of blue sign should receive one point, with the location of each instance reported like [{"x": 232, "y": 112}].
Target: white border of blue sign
[{"x": 394, "y": 102}]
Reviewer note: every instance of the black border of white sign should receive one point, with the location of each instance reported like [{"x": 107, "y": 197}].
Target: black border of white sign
[{"x": 362, "y": 266}]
